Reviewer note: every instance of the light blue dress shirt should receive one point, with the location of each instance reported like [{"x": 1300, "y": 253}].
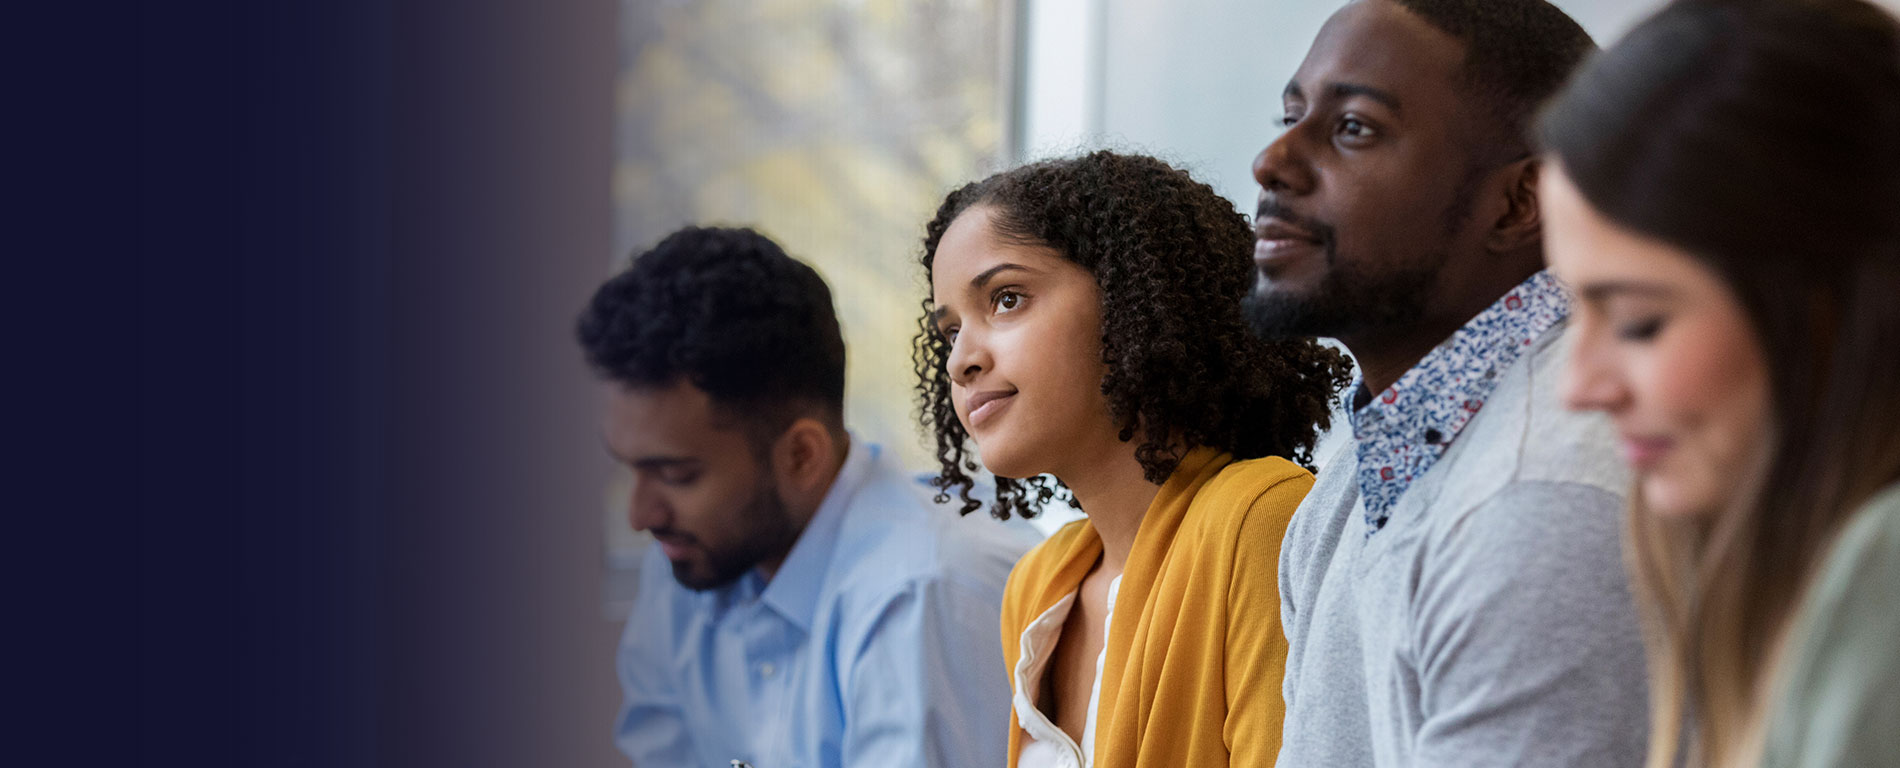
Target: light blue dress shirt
[{"x": 875, "y": 645}]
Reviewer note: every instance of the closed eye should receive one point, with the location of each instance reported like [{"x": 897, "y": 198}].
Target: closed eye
[
  {"x": 669, "y": 470},
  {"x": 1641, "y": 330}
]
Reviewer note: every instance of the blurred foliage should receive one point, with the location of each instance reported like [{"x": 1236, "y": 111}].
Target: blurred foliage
[{"x": 834, "y": 127}]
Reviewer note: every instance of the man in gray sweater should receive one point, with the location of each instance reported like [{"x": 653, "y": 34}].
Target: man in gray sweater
[{"x": 1452, "y": 588}]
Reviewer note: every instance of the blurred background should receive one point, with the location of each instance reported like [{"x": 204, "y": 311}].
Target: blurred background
[{"x": 376, "y": 526}]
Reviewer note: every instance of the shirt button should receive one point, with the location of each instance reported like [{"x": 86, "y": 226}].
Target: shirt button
[{"x": 766, "y": 669}]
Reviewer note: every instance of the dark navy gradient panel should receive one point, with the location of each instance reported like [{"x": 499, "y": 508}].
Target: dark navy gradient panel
[
  {"x": 369, "y": 473},
  {"x": 495, "y": 650},
  {"x": 262, "y": 354},
  {"x": 70, "y": 378}
]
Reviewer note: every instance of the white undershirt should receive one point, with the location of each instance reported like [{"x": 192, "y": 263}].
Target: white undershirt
[{"x": 1045, "y": 745}]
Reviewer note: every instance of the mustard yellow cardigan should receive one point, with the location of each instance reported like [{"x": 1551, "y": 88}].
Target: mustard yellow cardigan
[{"x": 1195, "y": 651}]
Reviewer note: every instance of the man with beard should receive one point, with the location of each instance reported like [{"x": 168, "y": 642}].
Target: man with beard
[
  {"x": 820, "y": 611},
  {"x": 1452, "y": 588}
]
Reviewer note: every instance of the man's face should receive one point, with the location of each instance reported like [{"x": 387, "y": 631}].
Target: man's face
[
  {"x": 698, "y": 485},
  {"x": 1367, "y": 197}
]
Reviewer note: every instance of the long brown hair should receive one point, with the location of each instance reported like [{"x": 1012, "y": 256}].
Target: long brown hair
[{"x": 1759, "y": 136}]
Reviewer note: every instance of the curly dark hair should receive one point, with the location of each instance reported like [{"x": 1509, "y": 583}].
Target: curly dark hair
[
  {"x": 727, "y": 311},
  {"x": 1173, "y": 261}
]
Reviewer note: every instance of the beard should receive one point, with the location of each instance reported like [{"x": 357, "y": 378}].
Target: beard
[
  {"x": 1345, "y": 302},
  {"x": 1359, "y": 295},
  {"x": 768, "y": 532}
]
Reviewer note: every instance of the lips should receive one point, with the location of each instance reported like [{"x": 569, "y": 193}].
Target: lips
[
  {"x": 985, "y": 405},
  {"x": 1274, "y": 228},
  {"x": 675, "y": 545},
  {"x": 1277, "y": 239},
  {"x": 1643, "y": 453}
]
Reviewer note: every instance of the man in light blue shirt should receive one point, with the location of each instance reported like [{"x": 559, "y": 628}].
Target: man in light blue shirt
[{"x": 804, "y": 603}]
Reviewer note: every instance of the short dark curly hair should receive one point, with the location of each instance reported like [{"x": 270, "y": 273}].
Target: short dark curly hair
[
  {"x": 729, "y": 312},
  {"x": 1518, "y": 53},
  {"x": 1173, "y": 261}
]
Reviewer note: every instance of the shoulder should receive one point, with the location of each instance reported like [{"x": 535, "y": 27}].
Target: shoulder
[
  {"x": 1558, "y": 444},
  {"x": 1328, "y": 505},
  {"x": 1250, "y": 499},
  {"x": 1524, "y": 434},
  {"x": 895, "y": 534},
  {"x": 1872, "y": 535},
  {"x": 1537, "y": 516},
  {"x": 1561, "y": 541},
  {"x": 904, "y": 570},
  {"x": 1861, "y": 572},
  {"x": 1840, "y": 679},
  {"x": 1248, "y": 480}
]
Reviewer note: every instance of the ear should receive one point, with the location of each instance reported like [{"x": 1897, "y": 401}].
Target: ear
[
  {"x": 804, "y": 458},
  {"x": 1520, "y": 227}
]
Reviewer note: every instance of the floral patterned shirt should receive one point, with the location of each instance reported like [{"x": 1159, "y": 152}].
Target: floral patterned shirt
[{"x": 1404, "y": 430}]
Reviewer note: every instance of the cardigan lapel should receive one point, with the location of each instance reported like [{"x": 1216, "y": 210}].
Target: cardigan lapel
[{"x": 1146, "y": 561}]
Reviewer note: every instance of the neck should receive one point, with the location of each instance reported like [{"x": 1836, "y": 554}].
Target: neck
[
  {"x": 1385, "y": 354},
  {"x": 799, "y": 511},
  {"x": 1115, "y": 495},
  {"x": 1383, "y": 359}
]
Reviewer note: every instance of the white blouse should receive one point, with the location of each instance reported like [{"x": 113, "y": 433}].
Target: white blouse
[{"x": 1045, "y": 745}]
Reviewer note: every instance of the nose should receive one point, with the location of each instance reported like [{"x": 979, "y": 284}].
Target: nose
[
  {"x": 1592, "y": 380},
  {"x": 1282, "y": 168},
  {"x": 646, "y": 508},
  {"x": 969, "y": 356}
]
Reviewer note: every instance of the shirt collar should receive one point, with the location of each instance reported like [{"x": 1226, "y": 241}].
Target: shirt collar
[
  {"x": 793, "y": 591},
  {"x": 1401, "y": 433}
]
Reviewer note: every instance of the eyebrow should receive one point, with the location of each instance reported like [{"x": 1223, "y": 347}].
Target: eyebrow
[
  {"x": 647, "y": 462},
  {"x": 1597, "y": 293},
  {"x": 982, "y": 278},
  {"x": 1347, "y": 90}
]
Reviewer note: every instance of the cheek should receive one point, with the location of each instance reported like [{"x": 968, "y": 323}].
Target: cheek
[
  {"x": 1714, "y": 382},
  {"x": 712, "y": 509},
  {"x": 1074, "y": 356},
  {"x": 1403, "y": 209},
  {"x": 1713, "y": 391}
]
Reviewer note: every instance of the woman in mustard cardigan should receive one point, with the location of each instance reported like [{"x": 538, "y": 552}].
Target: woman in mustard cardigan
[{"x": 1084, "y": 329}]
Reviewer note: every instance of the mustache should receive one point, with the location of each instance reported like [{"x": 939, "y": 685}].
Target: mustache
[{"x": 1271, "y": 208}]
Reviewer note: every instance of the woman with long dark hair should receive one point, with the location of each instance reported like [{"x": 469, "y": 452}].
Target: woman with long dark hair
[
  {"x": 1084, "y": 329},
  {"x": 1723, "y": 194}
]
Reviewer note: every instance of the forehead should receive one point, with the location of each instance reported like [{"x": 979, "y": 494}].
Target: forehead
[
  {"x": 679, "y": 419},
  {"x": 1380, "y": 44},
  {"x": 970, "y": 247},
  {"x": 1586, "y": 247}
]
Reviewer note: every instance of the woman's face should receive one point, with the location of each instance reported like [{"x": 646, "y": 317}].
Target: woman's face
[
  {"x": 1025, "y": 366},
  {"x": 1661, "y": 345}
]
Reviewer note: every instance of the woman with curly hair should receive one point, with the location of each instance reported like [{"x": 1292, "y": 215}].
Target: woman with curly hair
[{"x": 1084, "y": 329}]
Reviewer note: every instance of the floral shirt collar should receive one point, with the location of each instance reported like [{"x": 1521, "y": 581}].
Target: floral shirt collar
[{"x": 1404, "y": 430}]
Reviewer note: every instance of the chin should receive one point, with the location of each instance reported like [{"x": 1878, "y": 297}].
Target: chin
[
  {"x": 699, "y": 574},
  {"x": 1268, "y": 289},
  {"x": 1007, "y": 462},
  {"x": 1665, "y": 496}
]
